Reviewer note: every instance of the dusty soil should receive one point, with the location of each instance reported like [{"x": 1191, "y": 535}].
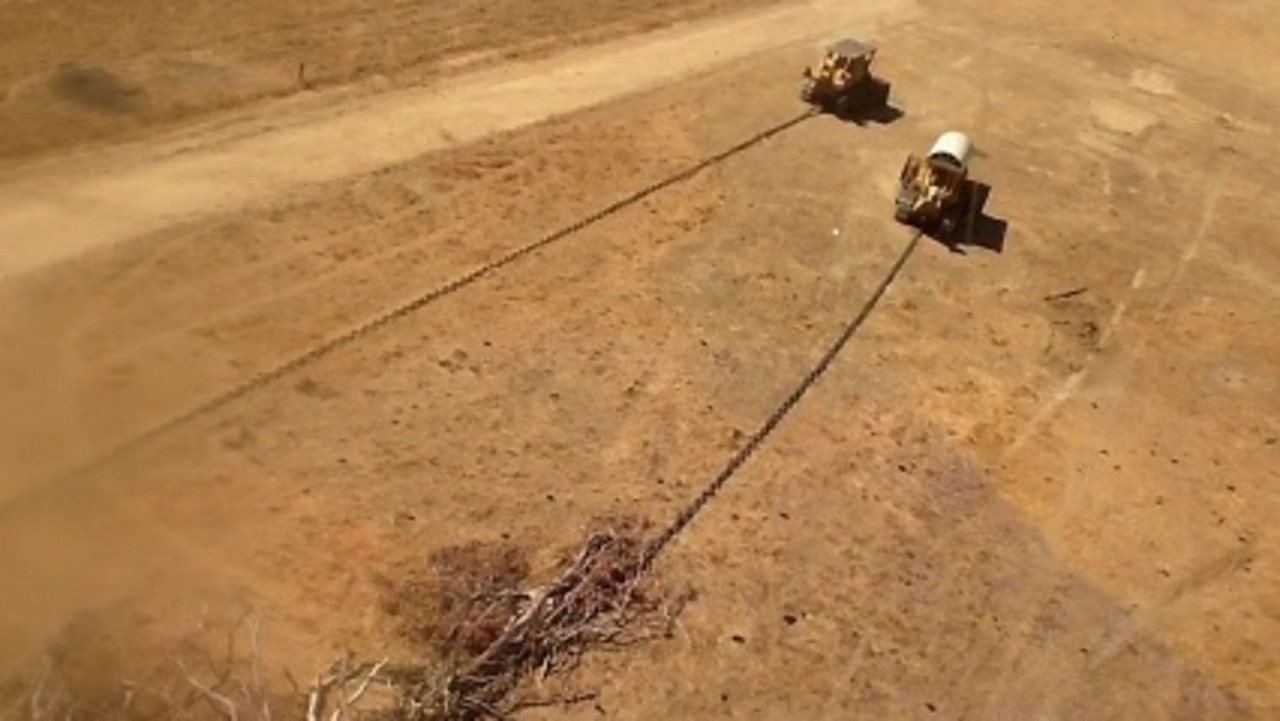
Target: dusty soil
[
  {"x": 996, "y": 504},
  {"x": 256, "y": 161},
  {"x": 72, "y": 74}
]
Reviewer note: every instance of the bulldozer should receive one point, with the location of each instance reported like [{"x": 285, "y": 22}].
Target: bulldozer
[
  {"x": 936, "y": 193},
  {"x": 841, "y": 82}
]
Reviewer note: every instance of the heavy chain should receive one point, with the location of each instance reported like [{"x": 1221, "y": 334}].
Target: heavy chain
[
  {"x": 689, "y": 512},
  {"x": 354, "y": 334}
]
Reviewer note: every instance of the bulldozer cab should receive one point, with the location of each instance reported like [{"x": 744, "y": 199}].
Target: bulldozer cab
[
  {"x": 944, "y": 178},
  {"x": 947, "y": 176},
  {"x": 843, "y": 61}
]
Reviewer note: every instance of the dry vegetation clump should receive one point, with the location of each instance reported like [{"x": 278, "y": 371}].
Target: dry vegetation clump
[
  {"x": 456, "y": 605},
  {"x": 103, "y": 667},
  {"x": 481, "y": 626},
  {"x": 494, "y": 635}
]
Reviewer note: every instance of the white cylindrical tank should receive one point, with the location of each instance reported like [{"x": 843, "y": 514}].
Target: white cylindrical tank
[{"x": 954, "y": 146}]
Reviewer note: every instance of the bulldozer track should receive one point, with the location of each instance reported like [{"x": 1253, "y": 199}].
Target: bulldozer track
[
  {"x": 267, "y": 377},
  {"x": 774, "y": 419}
]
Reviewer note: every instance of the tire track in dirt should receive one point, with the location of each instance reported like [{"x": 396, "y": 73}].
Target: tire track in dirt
[
  {"x": 375, "y": 324},
  {"x": 44, "y": 219}
]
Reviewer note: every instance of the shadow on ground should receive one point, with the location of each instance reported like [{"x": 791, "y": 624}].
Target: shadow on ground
[
  {"x": 96, "y": 88},
  {"x": 988, "y": 234},
  {"x": 884, "y": 115}
]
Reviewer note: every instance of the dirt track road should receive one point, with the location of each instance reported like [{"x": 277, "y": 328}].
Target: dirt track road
[{"x": 53, "y": 213}]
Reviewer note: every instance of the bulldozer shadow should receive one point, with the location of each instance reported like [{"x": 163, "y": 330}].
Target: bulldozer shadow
[
  {"x": 988, "y": 234},
  {"x": 861, "y": 117}
]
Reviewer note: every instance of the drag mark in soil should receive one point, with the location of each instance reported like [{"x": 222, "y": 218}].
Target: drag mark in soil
[
  {"x": 358, "y": 332},
  {"x": 686, "y": 516},
  {"x": 592, "y": 604}
]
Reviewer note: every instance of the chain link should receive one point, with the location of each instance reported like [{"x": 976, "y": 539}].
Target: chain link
[
  {"x": 689, "y": 512},
  {"x": 268, "y": 377}
]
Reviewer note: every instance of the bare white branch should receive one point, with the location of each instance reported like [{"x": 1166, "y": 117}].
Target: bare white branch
[{"x": 227, "y": 706}]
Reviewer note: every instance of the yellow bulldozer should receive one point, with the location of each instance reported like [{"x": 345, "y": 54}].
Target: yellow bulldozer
[
  {"x": 936, "y": 194},
  {"x": 841, "y": 82}
]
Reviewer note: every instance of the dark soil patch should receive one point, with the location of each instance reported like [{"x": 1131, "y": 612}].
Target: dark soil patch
[{"x": 95, "y": 88}]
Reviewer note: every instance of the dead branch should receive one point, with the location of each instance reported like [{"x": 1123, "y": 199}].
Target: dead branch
[
  {"x": 565, "y": 701},
  {"x": 334, "y": 684},
  {"x": 595, "y": 601},
  {"x": 315, "y": 701},
  {"x": 1063, "y": 295},
  {"x": 177, "y": 687},
  {"x": 343, "y": 675},
  {"x": 293, "y": 682},
  {"x": 38, "y": 690},
  {"x": 601, "y": 599},
  {"x": 368, "y": 679},
  {"x": 256, "y": 661},
  {"x": 218, "y": 700}
]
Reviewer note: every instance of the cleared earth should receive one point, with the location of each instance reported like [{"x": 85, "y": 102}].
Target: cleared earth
[{"x": 1039, "y": 484}]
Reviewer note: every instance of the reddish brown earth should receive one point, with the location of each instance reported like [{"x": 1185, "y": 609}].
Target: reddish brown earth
[{"x": 993, "y": 506}]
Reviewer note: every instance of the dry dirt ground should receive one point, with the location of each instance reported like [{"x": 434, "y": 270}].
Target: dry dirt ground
[
  {"x": 995, "y": 505},
  {"x": 72, "y": 73}
]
